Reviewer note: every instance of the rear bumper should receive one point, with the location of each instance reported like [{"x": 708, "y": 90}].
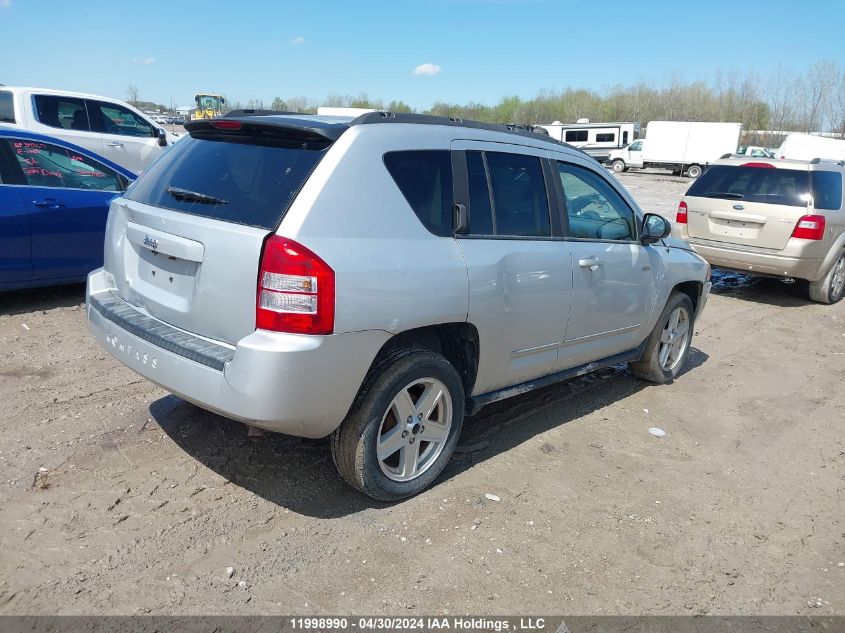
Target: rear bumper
[
  {"x": 781, "y": 264},
  {"x": 288, "y": 383}
]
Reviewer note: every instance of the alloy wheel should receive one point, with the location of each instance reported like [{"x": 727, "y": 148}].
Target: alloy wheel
[{"x": 414, "y": 429}]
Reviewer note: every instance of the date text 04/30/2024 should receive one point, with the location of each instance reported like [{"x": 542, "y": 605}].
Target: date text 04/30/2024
[{"x": 420, "y": 623}]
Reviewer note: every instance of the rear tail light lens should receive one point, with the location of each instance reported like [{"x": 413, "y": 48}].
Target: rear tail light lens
[
  {"x": 809, "y": 227},
  {"x": 295, "y": 289},
  {"x": 681, "y": 216}
]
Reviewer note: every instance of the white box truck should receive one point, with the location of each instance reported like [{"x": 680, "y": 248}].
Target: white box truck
[
  {"x": 682, "y": 147},
  {"x": 809, "y": 146}
]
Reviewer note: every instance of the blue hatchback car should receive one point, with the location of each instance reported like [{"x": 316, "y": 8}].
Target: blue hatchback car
[{"x": 54, "y": 201}]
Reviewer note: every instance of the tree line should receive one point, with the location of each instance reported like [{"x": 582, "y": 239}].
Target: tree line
[{"x": 812, "y": 100}]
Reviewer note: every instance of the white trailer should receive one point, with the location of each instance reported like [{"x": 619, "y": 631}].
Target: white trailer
[
  {"x": 596, "y": 139},
  {"x": 809, "y": 146},
  {"x": 682, "y": 147}
]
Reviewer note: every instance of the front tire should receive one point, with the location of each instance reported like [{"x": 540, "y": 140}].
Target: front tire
[
  {"x": 618, "y": 166},
  {"x": 404, "y": 425},
  {"x": 830, "y": 288},
  {"x": 667, "y": 347}
]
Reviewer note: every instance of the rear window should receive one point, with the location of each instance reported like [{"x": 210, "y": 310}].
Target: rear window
[
  {"x": 425, "y": 179},
  {"x": 770, "y": 185},
  {"x": 236, "y": 179},
  {"x": 7, "y": 108}
]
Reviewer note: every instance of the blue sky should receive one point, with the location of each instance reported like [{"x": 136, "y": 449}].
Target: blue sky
[{"x": 478, "y": 50}]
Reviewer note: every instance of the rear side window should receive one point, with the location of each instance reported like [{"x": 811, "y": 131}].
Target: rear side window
[
  {"x": 519, "y": 195},
  {"x": 827, "y": 189},
  {"x": 234, "y": 179},
  {"x": 7, "y": 107},
  {"x": 425, "y": 179},
  {"x": 48, "y": 165},
  {"x": 480, "y": 210},
  {"x": 67, "y": 113},
  {"x": 768, "y": 185}
]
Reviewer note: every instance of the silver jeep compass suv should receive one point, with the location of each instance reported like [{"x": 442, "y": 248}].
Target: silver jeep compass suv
[{"x": 377, "y": 279}]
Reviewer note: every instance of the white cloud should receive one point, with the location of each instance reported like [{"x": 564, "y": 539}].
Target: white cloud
[
  {"x": 140, "y": 60},
  {"x": 297, "y": 41},
  {"x": 427, "y": 69}
]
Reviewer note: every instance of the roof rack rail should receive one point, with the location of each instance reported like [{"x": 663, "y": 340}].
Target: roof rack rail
[
  {"x": 234, "y": 114},
  {"x": 530, "y": 131}
]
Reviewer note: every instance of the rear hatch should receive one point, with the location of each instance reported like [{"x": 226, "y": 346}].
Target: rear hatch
[
  {"x": 184, "y": 243},
  {"x": 752, "y": 204}
]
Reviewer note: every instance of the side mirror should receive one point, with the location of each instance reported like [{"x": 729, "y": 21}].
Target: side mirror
[
  {"x": 162, "y": 137},
  {"x": 655, "y": 228}
]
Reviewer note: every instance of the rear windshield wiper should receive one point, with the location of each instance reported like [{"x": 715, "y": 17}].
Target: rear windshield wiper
[
  {"x": 725, "y": 194},
  {"x": 193, "y": 196}
]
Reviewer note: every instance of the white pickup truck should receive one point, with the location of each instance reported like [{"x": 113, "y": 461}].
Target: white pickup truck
[
  {"x": 683, "y": 147},
  {"x": 110, "y": 128}
]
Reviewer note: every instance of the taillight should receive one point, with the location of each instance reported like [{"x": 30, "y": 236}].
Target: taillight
[
  {"x": 681, "y": 216},
  {"x": 809, "y": 227},
  {"x": 295, "y": 289}
]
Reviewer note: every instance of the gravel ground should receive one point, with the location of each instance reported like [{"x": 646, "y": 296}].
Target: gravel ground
[{"x": 117, "y": 498}]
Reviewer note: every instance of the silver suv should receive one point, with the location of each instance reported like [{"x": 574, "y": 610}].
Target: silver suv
[{"x": 377, "y": 279}]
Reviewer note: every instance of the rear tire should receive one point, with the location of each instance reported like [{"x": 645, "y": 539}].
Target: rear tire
[
  {"x": 618, "y": 166},
  {"x": 393, "y": 444},
  {"x": 668, "y": 344},
  {"x": 830, "y": 288},
  {"x": 693, "y": 171}
]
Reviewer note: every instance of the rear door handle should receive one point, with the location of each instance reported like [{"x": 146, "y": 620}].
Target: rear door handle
[
  {"x": 49, "y": 203},
  {"x": 589, "y": 262},
  {"x": 114, "y": 144}
]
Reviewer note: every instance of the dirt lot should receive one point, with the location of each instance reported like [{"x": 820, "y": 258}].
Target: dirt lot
[{"x": 145, "y": 500}]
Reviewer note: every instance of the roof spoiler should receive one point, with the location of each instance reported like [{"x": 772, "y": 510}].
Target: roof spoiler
[
  {"x": 286, "y": 130},
  {"x": 728, "y": 155}
]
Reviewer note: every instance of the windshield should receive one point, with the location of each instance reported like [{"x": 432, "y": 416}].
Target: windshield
[{"x": 209, "y": 102}]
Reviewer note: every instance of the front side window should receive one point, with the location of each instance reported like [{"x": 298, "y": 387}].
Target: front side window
[
  {"x": 66, "y": 113},
  {"x": 605, "y": 138},
  {"x": 576, "y": 136},
  {"x": 48, "y": 165},
  {"x": 425, "y": 179},
  {"x": 636, "y": 146},
  {"x": 595, "y": 209},
  {"x": 111, "y": 118},
  {"x": 7, "y": 107}
]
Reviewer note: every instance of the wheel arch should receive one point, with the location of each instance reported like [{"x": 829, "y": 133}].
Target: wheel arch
[
  {"x": 693, "y": 289},
  {"x": 456, "y": 342}
]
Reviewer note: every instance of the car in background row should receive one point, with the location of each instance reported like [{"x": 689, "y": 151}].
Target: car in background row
[
  {"x": 375, "y": 279},
  {"x": 107, "y": 127},
  {"x": 754, "y": 151},
  {"x": 54, "y": 201},
  {"x": 776, "y": 218}
]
